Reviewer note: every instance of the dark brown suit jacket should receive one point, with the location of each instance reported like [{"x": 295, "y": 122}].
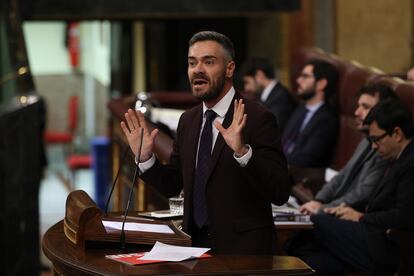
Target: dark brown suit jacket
[{"x": 238, "y": 198}]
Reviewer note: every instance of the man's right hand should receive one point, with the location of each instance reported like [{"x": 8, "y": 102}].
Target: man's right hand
[
  {"x": 310, "y": 208},
  {"x": 134, "y": 121}
]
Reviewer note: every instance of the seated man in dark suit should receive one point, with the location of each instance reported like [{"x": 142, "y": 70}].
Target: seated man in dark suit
[
  {"x": 354, "y": 183},
  {"x": 260, "y": 79},
  {"x": 345, "y": 240},
  {"x": 310, "y": 135}
]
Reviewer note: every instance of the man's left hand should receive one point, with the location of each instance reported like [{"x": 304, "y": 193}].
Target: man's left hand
[
  {"x": 344, "y": 212},
  {"x": 233, "y": 134}
]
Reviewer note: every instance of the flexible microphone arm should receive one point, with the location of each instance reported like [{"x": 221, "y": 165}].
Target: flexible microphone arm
[
  {"x": 124, "y": 154},
  {"x": 122, "y": 237}
]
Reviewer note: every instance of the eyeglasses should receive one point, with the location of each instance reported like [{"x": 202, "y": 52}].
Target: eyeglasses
[{"x": 377, "y": 139}]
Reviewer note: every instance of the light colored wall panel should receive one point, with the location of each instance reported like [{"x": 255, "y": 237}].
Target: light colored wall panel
[{"x": 376, "y": 33}]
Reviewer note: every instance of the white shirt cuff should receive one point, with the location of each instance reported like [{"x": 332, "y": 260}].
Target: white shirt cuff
[
  {"x": 243, "y": 160},
  {"x": 145, "y": 166}
]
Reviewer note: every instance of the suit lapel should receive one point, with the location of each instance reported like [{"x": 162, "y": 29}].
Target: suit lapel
[
  {"x": 386, "y": 178},
  {"x": 193, "y": 137},
  {"x": 364, "y": 155},
  {"x": 218, "y": 146},
  {"x": 272, "y": 96},
  {"x": 314, "y": 120},
  {"x": 293, "y": 121}
]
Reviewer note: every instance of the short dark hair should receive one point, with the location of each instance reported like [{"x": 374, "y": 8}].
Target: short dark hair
[
  {"x": 389, "y": 114},
  {"x": 258, "y": 63},
  {"x": 221, "y": 39},
  {"x": 325, "y": 70},
  {"x": 383, "y": 91}
]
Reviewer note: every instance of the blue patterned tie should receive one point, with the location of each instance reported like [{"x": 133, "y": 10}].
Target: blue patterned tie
[{"x": 203, "y": 160}]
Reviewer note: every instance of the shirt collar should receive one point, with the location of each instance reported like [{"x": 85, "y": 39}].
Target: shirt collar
[
  {"x": 223, "y": 105},
  {"x": 314, "y": 107},
  {"x": 267, "y": 90}
]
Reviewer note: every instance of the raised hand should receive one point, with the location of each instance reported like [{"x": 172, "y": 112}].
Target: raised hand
[
  {"x": 134, "y": 121},
  {"x": 233, "y": 134}
]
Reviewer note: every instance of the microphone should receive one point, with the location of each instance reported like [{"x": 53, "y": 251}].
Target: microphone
[
  {"x": 124, "y": 154},
  {"x": 137, "y": 107},
  {"x": 122, "y": 237}
]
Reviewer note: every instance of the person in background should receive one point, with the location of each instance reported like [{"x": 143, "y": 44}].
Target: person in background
[
  {"x": 410, "y": 74},
  {"x": 226, "y": 156},
  {"x": 259, "y": 78},
  {"x": 310, "y": 135},
  {"x": 355, "y": 182},
  {"x": 346, "y": 240}
]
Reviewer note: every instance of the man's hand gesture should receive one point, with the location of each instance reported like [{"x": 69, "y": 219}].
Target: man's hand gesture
[
  {"x": 233, "y": 134},
  {"x": 134, "y": 122}
]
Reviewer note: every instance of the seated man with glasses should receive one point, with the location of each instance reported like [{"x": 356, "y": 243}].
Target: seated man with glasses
[
  {"x": 355, "y": 182},
  {"x": 346, "y": 240}
]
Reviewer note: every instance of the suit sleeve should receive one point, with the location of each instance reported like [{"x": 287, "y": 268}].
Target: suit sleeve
[
  {"x": 167, "y": 178},
  {"x": 358, "y": 196},
  {"x": 401, "y": 215},
  {"x": 327, "y": 192},
  {"x": 282, "y": 113},
  {"x": 316, "y": 151},
  {"x": 282, "y": 106},
  {"x": 267, "y": 169}
]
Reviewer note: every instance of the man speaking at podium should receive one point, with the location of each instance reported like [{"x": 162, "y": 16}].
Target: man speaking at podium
[{"x": 227, "y": 156}]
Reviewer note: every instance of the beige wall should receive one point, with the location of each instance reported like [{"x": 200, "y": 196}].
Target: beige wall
[{"x": 375, "y": 33}]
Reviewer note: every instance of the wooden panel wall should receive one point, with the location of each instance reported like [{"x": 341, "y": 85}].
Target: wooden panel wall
[{"x": 376, "y": 33}]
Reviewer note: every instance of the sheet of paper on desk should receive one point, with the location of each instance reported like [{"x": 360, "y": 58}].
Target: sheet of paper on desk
[
  {"x": 294, "y": 223},
  {"x": 172, "y": 253},
  {"x": 135, "y": 226}
]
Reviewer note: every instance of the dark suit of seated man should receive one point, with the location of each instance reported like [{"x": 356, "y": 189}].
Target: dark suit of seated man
[
  {"x": 259, "y": 78},
  {"x": 355, "y": 182},
  {"x": 345, "y": 240},
  {"x": 311, "y": 133}
]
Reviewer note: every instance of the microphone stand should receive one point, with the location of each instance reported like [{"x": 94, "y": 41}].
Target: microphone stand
[
  {"x": 124, "y": 154},
  {"x": 122, "y": 237}
]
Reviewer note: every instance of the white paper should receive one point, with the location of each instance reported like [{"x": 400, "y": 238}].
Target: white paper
[
  {"x": 135, "y": 226},
  {"x": 172, "y": 253},
  {"x": 293, "y": 223}
]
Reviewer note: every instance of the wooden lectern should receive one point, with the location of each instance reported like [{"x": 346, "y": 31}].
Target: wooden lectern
[
  {"x": 83, "y": 223},
  {"x": 65, "y": 244}
]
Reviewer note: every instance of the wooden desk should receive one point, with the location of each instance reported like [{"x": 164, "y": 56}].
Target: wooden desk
[
  {"x": 285, "y": 231},
  {"x": 68, "y": 260}
]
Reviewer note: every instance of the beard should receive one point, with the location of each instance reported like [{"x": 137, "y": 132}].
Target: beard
[
  {"x": 258, "y": 89},
  {"x": 214, "y": 90},
  {"x": 307, "y": 94}
]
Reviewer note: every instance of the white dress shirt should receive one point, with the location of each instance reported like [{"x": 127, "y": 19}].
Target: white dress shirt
[
  {"x": 267, "y": 90},
  {"x": 311, "y": 111}
]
